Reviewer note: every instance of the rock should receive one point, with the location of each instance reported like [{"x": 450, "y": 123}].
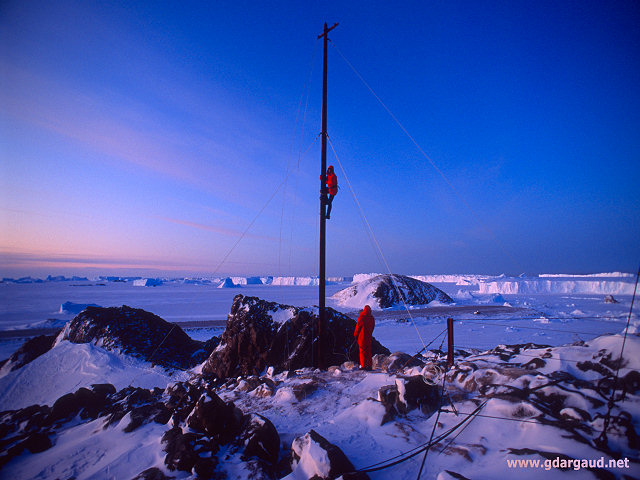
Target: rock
[
  {"x": 351, "y": 365},
  {"x": 29, "y": 351},
  {"x": 631, "y": 382},
  {"x": 85, "y": 402},
  {"x": 140, "y": 334},
  {"x": 304, "y": 389},
  {"x": 143, "y": 414},
  {"x": 38, "y": 442},
  {"x": 248, "y": 384},
  {"x": 182, "y": 398},
  {"x": 264, "y": 390},
  {"x": 388, "y": 396},
  {"x": 142, "y": 406},
  {"x": 396, "y": 361},
  {"x": 219, "y": 420},
  {"x": 609, "y": 299},
  {"x": 261, "y": 334},
  {"x": 153, "y": 473},
  {"x": 415, "y": 392},
  {"x": 383, "y": 291},
  {"x": 449, "y": 475},
  {"x": 205, "y": 467},
  {"x": 408, "y": 394},
  {"x": 260, "y": 438},
  {"x": 103, "y": 389},
  {"x": 180, "y": 450},
  {"x": 315, "y": 457}
]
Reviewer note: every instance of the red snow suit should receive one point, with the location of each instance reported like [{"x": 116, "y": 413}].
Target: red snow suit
[
  {"x": 332, "y": 181},
  {"x": 364, "y": 332}
]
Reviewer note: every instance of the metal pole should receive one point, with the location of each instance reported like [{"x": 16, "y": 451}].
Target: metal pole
[
  {"x": 450, "y": 342},
  {"x": 323, "y": 200}
]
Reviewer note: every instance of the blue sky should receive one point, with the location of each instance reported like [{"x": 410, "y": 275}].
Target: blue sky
[{"x": 145, "y": 139}]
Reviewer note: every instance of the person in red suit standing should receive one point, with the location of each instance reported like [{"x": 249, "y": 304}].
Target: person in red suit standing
[
  {"x": 364, "y": 334},
  {"x": 332, "y": 187}
]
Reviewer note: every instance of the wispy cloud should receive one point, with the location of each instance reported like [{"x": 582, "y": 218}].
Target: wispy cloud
[
  {"x": 210, "y": 152},
  {"x": 212, "y": 228},
  {"x": 21, "y": 261}
]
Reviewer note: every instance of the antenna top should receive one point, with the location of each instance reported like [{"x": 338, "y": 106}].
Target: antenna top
[{"x": 327, "y": 30}]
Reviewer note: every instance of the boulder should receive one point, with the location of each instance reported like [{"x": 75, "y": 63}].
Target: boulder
[
  {"x": 180, "y": 449},
  {"x": 396, "y": 361},
  {"x": 407, "y": 394},
  {"x": 219, "y": 420},
  {"x": 415, "y": 392},
  {"x": 259, "y": 438},
  {"x": 315, "y": 457},
  {"x": 87, "y": 403},
  {"x": 261, "y": 334},
  {"x": 138, "y": 333}
]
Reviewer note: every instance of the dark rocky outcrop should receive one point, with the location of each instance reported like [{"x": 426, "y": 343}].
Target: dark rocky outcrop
[
  {"x": 213, "y": 423},
  {"x": 139, "y": 333},
  {"x": 202, "y": 424},
  {"x": 261, "y": 334},
  {"x": 391, "y": 290},
  {"x": 29, "y": 351}
]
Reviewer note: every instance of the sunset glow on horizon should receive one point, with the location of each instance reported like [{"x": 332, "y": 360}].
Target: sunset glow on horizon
[{"x": 181, "y": 139}]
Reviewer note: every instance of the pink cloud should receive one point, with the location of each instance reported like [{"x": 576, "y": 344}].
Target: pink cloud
[{"x": 211, "y": 228}]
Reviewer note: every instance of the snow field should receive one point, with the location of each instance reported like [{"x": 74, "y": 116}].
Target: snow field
[
  {"x": 69, "y": 366},
  {"x": 90, "y": 452}
]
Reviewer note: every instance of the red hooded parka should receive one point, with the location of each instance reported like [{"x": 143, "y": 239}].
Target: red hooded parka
[
  {"x": 364, "y": 333},
  {"x": 332, "y": 181}
]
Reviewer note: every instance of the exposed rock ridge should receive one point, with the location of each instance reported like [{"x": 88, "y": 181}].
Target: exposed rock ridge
[
  {"x": 139, "y": 333},
  {"x": 260, "y": 334}
]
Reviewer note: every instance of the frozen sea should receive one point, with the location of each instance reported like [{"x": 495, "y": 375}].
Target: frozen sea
[{"x": 543, "y": 318}]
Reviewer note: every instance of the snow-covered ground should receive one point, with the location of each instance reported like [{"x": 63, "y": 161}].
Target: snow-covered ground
[
  {"x": 69, "y": 366},
  {"x": 566, "y": 312}
]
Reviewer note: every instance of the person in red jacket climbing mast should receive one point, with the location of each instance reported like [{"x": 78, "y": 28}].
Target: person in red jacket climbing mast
[
  {"x": 332, "y": 187},
  {"x": 364, "y": 333}
]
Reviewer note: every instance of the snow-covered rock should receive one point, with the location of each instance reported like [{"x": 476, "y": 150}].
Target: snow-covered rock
[
  {"x": 315, "y": 457},
  {"x": 92, "y": 432},
  {"x": 260, "y": 334},
  {"x": 383, "y": 291},
  {"x": 138, "y": 333}
]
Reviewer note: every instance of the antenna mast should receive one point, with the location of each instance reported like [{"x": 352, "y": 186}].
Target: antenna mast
[{"x": 323, "y": 204}]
